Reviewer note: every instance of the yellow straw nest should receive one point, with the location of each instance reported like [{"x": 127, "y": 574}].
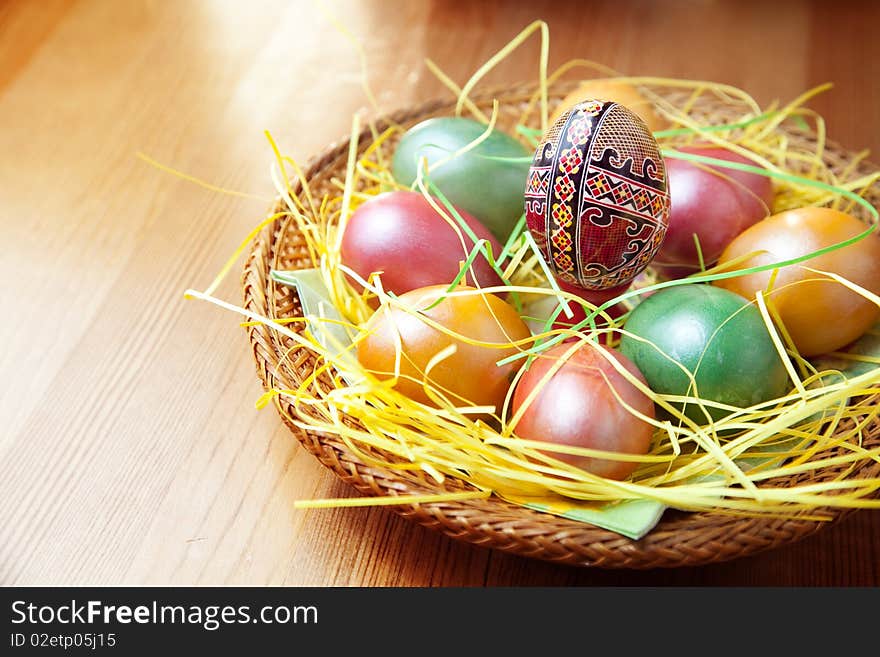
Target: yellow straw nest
[{"x": 804, "y": 455}]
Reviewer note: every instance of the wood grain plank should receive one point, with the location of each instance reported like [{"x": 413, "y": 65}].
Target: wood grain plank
[
  {"x": 131, "y": 449},
  {"x": 24, "y": 28}
]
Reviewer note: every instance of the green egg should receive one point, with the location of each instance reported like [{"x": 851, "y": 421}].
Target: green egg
[
  {"x": 489, "y": 189},
  {"x": 716, "y": 335}
]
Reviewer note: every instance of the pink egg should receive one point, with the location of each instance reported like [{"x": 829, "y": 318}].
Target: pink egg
[
  {"x": 402, "y": 236},
  {"x": 712, "y": 202}
]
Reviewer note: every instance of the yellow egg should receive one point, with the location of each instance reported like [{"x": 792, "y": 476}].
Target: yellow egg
[{"x": 615, "y": 90}]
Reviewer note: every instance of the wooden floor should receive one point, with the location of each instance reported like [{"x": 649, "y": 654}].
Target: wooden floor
[{"x": 130, "y": 448}]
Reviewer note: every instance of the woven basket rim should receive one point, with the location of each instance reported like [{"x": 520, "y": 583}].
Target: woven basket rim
[{"x": 679, "y": 538}]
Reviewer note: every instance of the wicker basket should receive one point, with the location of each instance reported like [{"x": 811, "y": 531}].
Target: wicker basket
[{"x": 679, "y": 539}]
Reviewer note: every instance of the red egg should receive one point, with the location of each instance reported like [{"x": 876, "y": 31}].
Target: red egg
[
  {"x": 713, "y": 202},
  {"x": 401, "y": 235},
  {"x": 578, "y": 406},
  {"x": 595, "y": 297},
  {"x": 596, "y": 198}
]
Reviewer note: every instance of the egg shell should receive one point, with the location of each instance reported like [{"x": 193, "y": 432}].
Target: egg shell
[
  {"x": 578, "y": 406},
  {"x": 712, "y": 202},
  {"x": 596, "y": 298},
  {"x": 596, "y": 198},
  {"x": 489, "y": 189},
  {"x": 716, "y": 335},
  {"x": 820, "y": 315},
  {"x": 617, "y": 90},
  {"x": 401, "y": 235},
  {"x": 486, "y": 324}
]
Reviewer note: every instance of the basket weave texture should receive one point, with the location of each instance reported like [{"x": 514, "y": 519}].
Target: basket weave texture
[{"x": 679, "y": 539}]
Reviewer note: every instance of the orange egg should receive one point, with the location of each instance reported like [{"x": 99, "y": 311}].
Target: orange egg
[
  {"x": 618, "y": 91},
  {"x": 470, "y": 376},
  {"x": 820, "y": 314}
]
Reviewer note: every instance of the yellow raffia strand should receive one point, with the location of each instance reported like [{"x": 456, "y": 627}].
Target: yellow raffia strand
[
  {"x": 304, "y": 183},
  {"x": 556, "y": 75},
  {"x": 245, "y": 243},
  {"x": 470, "y": 145},
  {"x": 456, "y": 90},
  {"x": 503, "y": 53},
  {"x": 777, "y": 343},
  {"x": 797, "y": 102},
  {"x": 390, "y": 500},
  {"x": 858, "y": 289},
  {"x": 349, "y": 178},
  {"x": 294, "y": 205},
  {"x": 197, "y": 181},
  {"x": 362, "y": 55},
  {"x": 820, "y": 423}
]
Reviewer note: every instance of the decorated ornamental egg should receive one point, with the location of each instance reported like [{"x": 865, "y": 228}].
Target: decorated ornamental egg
[{"x": 596, "y": 199}]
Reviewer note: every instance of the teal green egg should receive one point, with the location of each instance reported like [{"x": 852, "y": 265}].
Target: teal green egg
[
  {"x": 490, "y": 189},
  {"x": 716, "y": 335}
]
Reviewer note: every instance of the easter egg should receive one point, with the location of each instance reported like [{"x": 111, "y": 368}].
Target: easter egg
[
  {"x": 717, "y": 336},
  {"x": 712, "y": 202},
  {"x": 486, "y": 181},
  {"x": 401, "y": 235},
  {"x": 578, "y": 406},
  {"x": 470, "y": 376},
  {"x": 596, "y": 198},
  {"x": 594, "y": 298},
  {"x": 617, "y": 90},
  {"x": 819, "y": 313}
]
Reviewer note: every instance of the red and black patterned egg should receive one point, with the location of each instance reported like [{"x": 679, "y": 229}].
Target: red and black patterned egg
[{"x": 596, "y": 198}]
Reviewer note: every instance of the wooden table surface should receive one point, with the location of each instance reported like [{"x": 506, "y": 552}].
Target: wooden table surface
[{"x": 132, "y": 452}]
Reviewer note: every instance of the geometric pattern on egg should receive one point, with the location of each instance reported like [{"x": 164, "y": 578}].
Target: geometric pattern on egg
[{"x": 596, "y": 198}]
